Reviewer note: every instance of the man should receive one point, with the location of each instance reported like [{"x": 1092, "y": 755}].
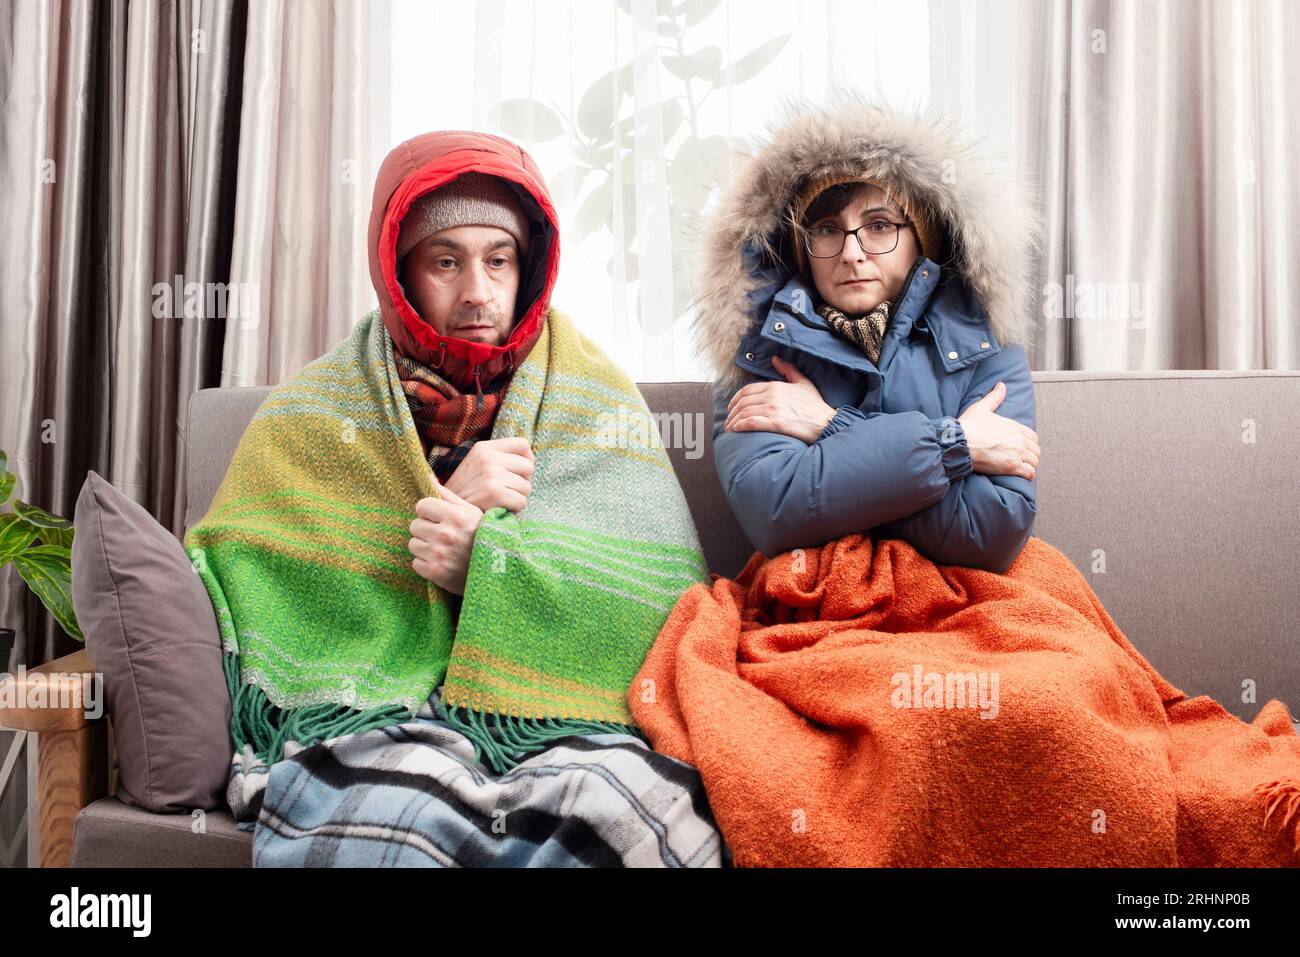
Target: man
[
  {"x": 430, "y": 515},
  {"x": 461, "y": 253}
]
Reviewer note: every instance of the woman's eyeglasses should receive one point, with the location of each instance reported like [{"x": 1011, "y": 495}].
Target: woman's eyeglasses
[{"x": 826, "y": 241}]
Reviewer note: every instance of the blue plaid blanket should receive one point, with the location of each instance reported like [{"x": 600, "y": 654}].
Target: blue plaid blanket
[{"x": 414, "y": 795}]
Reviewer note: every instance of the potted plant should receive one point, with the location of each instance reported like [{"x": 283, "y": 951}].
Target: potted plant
[{"x": 40, "y": 546}]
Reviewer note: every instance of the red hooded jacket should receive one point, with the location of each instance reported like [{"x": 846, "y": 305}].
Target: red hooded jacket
[{"x": 420, "y": 165}]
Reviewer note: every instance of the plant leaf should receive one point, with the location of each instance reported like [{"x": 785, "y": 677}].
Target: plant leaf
[
  {"x": 61, "y": 537},
  {"x": 603, "y": 157},
  {"x": 682, "y": 67},
  {"x": 16, "y": 533},
  {"x": 710, "y": 59},
  {"x": 702, "y": 64},
  {"x": 715, "y": 153},
  {"x": 567, "y": 186},
  {"x": 527, "y": 119},
  {"x": 753, "y": 62},
  {"x": 8, "y": 481},
  {"x": 699, "y": 162},
  {"x": 39, "y": 517},
  {"x": 598, "y": 106},
  {"x": 595, "y": 210},
  {"x": 47, "y": 569}
]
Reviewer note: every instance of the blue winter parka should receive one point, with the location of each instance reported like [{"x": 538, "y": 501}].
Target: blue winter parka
[{"x": 893, "y": 461}]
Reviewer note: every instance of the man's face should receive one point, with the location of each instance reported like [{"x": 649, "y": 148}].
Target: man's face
[
  {"x": 463, "y": 282},
  {"x": 834, "y": 277}
]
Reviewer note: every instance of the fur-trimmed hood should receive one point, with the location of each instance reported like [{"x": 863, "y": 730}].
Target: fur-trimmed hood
[{"x": 929, "y": 161}]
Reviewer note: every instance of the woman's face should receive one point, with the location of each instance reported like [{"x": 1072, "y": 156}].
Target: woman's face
[{"x": 854, "y": 282}]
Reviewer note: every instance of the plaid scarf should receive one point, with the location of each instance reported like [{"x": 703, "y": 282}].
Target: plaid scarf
[
  {"x": 866, "y": 332},
  {"x": 449, "y": 421}
]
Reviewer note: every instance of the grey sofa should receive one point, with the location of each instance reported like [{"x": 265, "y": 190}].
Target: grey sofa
[{"x": 1149, "y": 482}]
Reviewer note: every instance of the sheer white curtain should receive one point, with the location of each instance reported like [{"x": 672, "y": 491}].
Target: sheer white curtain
[
  {"x": 306, "y": 172},
  {"x": 630, "y": 109},
  {"x": 978, "y": 59}
]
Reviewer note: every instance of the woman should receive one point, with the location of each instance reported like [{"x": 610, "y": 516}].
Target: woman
[
  {"x": 870, "y": 356},
  {"x": 906, "y": 676}
]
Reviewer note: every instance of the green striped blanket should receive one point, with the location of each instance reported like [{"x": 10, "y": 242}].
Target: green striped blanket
[{"x": 326, "y": 628}]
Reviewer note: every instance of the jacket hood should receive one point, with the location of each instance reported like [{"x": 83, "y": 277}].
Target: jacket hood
[
  {"x": 929, "y": 161},
  {"x": 425, "y": 163}
]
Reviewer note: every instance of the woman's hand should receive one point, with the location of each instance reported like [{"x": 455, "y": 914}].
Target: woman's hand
[
  {"x": 495, "y": 473},
  {"x": 442, "y": 539},
  {"x": 998, "y": 445},
  {"x": 794, "y": 407}
]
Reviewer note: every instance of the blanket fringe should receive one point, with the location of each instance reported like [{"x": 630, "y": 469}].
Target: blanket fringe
[
  {"x": 256, "y": 722},
  {"x": 518, "y": 737},
  {"x": 1284, "y": 797}
]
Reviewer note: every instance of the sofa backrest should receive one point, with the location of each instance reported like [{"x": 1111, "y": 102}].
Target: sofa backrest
[{"x": 1173, "y": 493}]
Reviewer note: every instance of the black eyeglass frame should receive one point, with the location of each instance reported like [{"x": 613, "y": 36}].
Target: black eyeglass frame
[{"x": 806, "y": 233}]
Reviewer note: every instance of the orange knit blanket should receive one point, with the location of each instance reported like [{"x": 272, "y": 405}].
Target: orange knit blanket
[{"x": 857, "y": 704}]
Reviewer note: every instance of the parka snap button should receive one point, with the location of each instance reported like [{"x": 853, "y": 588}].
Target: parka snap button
[
  {"x": 749, "y": 356},
  {"x": 779, "y": 326},
  {"x": 984, "y": 345},
  {"x": 952, "y": 355}
]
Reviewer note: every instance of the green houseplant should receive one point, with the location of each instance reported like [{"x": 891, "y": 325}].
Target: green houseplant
[{"x": 40, "y": 546}]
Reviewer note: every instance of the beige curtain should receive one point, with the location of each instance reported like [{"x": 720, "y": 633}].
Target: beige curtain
[
  {"x": 116, "y": 163},
  {"x": 118, "y": 135},
  {"x": 1163, "y": 137},
  {"x": 306, "y": 171}
]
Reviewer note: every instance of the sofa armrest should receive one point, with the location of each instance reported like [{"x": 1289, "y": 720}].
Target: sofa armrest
[
  {"x": 51, "y": 697},
  {"x": 59, "y": 706}
]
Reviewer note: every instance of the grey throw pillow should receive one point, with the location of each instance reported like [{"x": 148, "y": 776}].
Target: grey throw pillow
[{"x": 150, "y": 630}]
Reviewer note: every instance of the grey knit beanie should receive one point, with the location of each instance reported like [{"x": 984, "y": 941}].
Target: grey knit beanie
[{"x": 472, "y": 199}]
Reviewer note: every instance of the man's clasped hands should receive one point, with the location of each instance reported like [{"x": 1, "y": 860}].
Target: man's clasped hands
[{"x": 495, "y": 472}]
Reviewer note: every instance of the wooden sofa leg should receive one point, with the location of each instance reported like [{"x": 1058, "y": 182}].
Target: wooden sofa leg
[{"x": 71, "y": 772}]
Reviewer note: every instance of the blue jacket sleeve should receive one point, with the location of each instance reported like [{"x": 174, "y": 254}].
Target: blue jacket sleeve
[
  {"x": 864, "y": 469},
  {"x": 983, "y": 521}
]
